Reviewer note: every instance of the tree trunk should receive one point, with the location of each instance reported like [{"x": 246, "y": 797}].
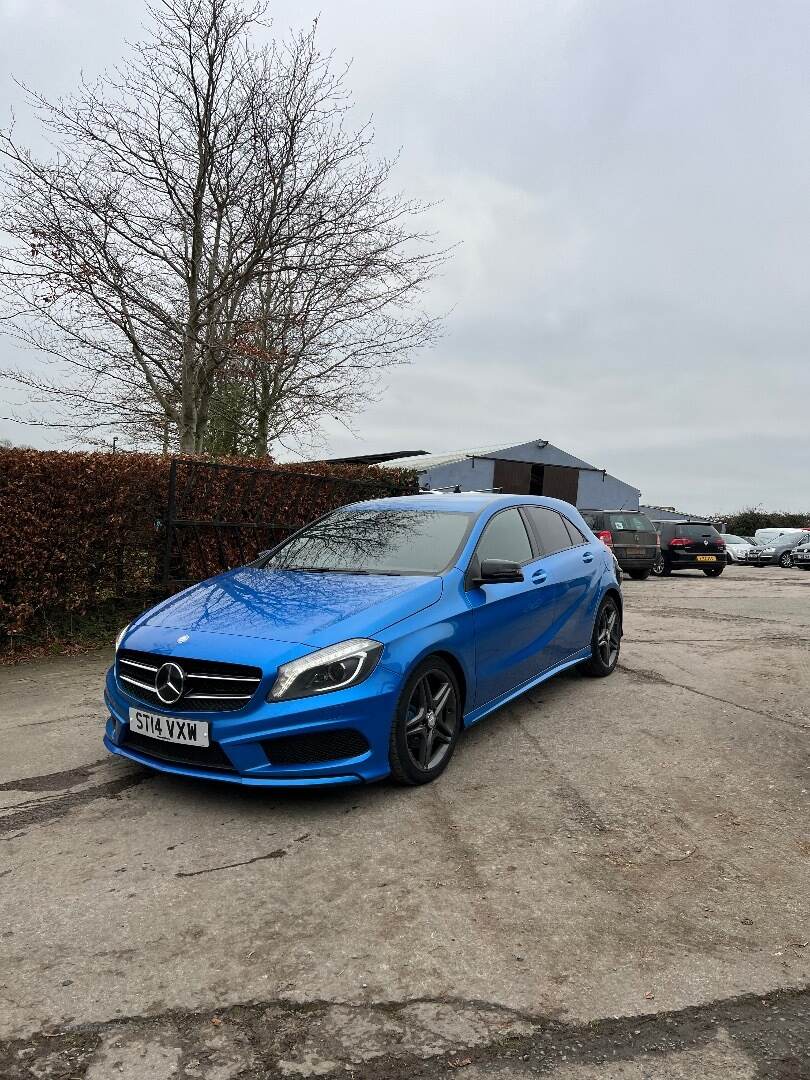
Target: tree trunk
[{"x": 260, "y": 448}]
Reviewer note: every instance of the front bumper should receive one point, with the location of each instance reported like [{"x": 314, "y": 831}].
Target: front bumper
[{"x": 241, "y": 737}]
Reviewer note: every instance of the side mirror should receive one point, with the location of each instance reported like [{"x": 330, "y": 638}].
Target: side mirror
[{"x": 498, "y": 572}]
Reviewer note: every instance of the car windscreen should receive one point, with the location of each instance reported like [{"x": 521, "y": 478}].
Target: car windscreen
[
  {"x": 731, "y": 539},
  {"x": 376, "y": 542},
  {"x": 698, "y": 532},
  {"x": 630, "y": 523}
]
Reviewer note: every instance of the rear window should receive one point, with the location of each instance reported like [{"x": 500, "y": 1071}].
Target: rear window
[
  {"x": 697, "y": 532},
  {"x": 630, "y": 522}
]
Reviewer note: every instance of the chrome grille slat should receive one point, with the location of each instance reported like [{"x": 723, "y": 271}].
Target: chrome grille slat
[
  {"x": 217, "y": 697},
  {"x": 134, "y": 663},
  {"x": 140, "y": 685},
  {"x": 223, "y": 678}
]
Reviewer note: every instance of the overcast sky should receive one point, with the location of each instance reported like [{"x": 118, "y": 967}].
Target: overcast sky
[{"x": 629, "y": 184}]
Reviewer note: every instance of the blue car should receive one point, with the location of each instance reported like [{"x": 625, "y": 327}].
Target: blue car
[{"x": 361, "y": 646}]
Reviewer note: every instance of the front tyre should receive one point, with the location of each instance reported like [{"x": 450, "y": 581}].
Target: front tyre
[
  {"x": 639, "y": 575},
  {"x": 606, "y": 640},
  {"x": 427, "y": 724},
  {"x": 661, "y": 567},
  {"x": 786, "y": 560},
  {"x": 713, "y": 571}
]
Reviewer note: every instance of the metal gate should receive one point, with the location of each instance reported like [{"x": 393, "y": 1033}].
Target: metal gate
[{"x": 222, "y": 515}]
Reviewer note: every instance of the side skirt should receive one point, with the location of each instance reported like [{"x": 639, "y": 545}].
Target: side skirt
[{"x": 484, "y": 710}]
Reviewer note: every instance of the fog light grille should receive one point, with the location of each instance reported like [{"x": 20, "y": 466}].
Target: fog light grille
[{"x": 315, "y": 747}]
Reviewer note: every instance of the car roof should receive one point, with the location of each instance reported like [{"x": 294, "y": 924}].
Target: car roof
[
  {"x": 687, "y": 522},
  {"x": 472, "y": 502},
  {"x": 593, "y": 510}
]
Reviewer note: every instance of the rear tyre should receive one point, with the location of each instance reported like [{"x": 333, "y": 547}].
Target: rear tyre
[
  {"x": 786, "y": 560},
  {"x": 639, "y": 575},
  {"x": 661, "y": 567},
  {"x": 606, "y": 640},
  {"x": 713, "y": 571},
  {"x": 426, "y": 725}
]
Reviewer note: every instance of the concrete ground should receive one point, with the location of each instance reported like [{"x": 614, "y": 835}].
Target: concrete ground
[{"x": 611, "y": 880}]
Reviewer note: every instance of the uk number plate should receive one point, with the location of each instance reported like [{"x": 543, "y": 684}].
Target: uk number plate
[
  {"x": 169, "y": 728},
  {"x": 707, "y": 558}
]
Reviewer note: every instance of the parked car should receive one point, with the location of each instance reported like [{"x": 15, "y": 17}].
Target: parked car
[
  {"x": 690, "y": 545},
  {"x": 631, "y": 537},
  {"x": 779, "y": 552},
  {"x": 762, "y": 537},
  {"x": 361, "y": 646},
  {"x": 737, "y": 547},
  {"x": 801, "y": 556}
]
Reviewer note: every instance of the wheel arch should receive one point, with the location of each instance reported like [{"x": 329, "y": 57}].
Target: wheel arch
[
  {"x": 611, "y": 590},
  {"x": 455, "y": 665}
]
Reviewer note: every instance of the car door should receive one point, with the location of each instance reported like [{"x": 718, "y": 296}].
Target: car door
[
  {"x": 573, "y": 566},
  {"x": 511, "y": 620}
]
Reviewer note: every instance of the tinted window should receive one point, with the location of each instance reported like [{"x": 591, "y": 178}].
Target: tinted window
[
  {"x": 697, "y": 532},
  {"x": 729, "y": 539},
  {"x": 505, "y": 538},
  {"x": 376, "y": 542},
  {"x": 576, "y": 536},
  {"x": 631, "y": 522},
  {"x": 550, "y": 529}
]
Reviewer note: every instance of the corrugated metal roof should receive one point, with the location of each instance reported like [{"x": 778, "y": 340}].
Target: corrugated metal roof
[{"x": 431, "y": 461}]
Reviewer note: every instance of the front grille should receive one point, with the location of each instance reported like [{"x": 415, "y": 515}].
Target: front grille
[
  {"x": 208, "y": 685},
  {"x": 199, "y": 757},
  {"x": 315, "y": 747}
]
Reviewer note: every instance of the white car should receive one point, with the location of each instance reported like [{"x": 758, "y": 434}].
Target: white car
[{"x": 737, "y": 547}]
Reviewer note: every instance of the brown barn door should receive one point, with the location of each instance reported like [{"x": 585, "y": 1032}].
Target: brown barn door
[
  {"x": 561, "y": 483},
  {"x": 512, "y": 477}
]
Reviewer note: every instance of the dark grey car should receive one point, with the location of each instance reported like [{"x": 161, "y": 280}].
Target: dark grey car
[
  {"x": 631, "y": 537},
  {"x": 779, "y": 552}
]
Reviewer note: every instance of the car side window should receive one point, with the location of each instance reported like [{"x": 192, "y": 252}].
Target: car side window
[
  {"x": 549, "y": 527},
  {"x": 505, "y": 537},
  {"x": 576, "y": 535}
]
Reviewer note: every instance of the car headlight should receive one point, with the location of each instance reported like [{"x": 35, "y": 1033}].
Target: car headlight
[
  {"x": 768, "y": 551},
  {"x": 120, "y": 637},
  {"x": 333, "y": 668}
]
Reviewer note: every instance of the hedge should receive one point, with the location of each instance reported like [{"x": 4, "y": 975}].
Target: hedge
[
  {"x": 746, "y": 522},
  {"x": 77, "y": 529}
]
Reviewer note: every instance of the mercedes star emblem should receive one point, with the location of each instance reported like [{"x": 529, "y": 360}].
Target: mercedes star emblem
[{"x": 169, "y": 683}]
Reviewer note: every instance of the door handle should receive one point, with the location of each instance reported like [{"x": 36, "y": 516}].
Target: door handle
[
  {"x": 539, "y": 576},
  {"x": 587, "y": 556}
]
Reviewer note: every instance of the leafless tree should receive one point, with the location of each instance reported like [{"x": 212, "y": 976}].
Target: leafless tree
[{"x": 211, "y": 239}]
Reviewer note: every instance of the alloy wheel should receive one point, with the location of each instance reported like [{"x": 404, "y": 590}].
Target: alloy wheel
[
  {"x": 608, "y": 635},
  {"x": 430, "y": 720}
]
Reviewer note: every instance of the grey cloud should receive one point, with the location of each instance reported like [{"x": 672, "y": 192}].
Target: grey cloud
[{"x": 628, "y": 183}]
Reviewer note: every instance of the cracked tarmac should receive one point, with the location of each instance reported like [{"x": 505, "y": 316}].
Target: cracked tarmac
[{"x": 611, "y": 880}]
